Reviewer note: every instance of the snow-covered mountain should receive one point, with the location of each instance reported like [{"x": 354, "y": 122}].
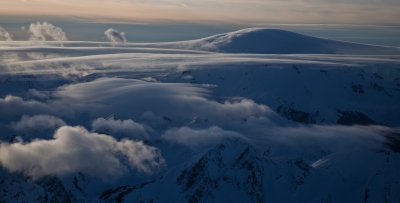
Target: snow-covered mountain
[
  {"x": 277, "y": 41},
  {"x": 229, "y": 118}
]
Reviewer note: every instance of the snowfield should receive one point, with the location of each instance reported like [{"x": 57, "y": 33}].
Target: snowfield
[{"x": 256, "y": 115}]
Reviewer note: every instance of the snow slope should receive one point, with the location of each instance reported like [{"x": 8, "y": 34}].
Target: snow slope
[{"x": 276, "y": 41}]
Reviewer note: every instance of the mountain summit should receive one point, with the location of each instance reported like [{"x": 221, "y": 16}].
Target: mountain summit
[{"x": 277, "y": 41}]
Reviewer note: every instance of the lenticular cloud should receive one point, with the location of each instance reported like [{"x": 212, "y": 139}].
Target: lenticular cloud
[{"x": 115, "y": 36}]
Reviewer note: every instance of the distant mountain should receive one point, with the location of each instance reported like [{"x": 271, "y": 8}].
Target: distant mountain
[{"x": 277, "y": 41}]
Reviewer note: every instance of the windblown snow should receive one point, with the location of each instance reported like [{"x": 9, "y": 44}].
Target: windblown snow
[{"x": 256, "y": 115}]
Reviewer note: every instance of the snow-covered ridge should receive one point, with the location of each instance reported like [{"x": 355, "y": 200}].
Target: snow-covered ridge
[{"x": 277, "y": 41}]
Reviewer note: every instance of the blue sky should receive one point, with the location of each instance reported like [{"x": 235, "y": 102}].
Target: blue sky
[{"x": 245, "y": 11}]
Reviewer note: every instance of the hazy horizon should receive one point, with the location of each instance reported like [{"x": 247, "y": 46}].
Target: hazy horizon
[
  {"x": 179, "y": 31},
  {"x": 384, "y": 12}
]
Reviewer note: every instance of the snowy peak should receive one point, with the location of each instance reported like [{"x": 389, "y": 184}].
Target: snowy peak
[
  {"x": 230, "y": 166},
  {"x": 276, "y": 41},
  {"x": 228, "y": 172}
]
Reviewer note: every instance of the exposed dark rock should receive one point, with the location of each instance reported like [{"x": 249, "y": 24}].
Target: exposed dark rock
[
  {"x": 118, "y": 194},
  {"x": 296, "y": 69},
  {"x": 201, "y": 179},
  {"x": 354, "y": 118},
  {"x": 358, "y": 88},
  {"x": 393, "y": 140},
  {"x": 80, "y": 181},
  {"x": 377, "y": 76},
  {"x": 55, "y": 190},
  {"x": 377, "y": 86},
  {"x": 366, "y": 196},
  {"x": 296, "y": 115}
]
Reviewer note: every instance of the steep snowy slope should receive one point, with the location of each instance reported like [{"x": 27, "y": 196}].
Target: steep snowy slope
[
  {"x": 310, "y": 93},
  {"x": 236, "y": 171}
]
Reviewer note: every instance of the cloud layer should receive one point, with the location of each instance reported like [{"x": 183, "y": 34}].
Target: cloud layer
[{"x": 74, "y": 149}]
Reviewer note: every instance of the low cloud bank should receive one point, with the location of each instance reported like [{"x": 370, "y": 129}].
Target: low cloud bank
[{"x": 74, "y": 149}]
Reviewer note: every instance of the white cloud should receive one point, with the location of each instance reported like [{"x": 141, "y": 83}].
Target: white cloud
[
  {"x": 126, "y": 128},
  {"x": 12, "y": 107},
  {"x": 74, "y": 149},
  {"x": 115, "y": 36},
  {"x": 43, "y": 31},
  {"x": 180, "y": 102},
  {"x": 317, "y": 140},
  {"x": 184, "y": 104},
  {"x": 196, "y": 138},
  {"x": 5, "y": 35},
  {"x": 38, "y": 94},
  {"x": 37, "y": 123}
]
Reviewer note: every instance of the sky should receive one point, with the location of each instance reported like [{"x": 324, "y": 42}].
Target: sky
[{"x": 377, "y": 12}]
